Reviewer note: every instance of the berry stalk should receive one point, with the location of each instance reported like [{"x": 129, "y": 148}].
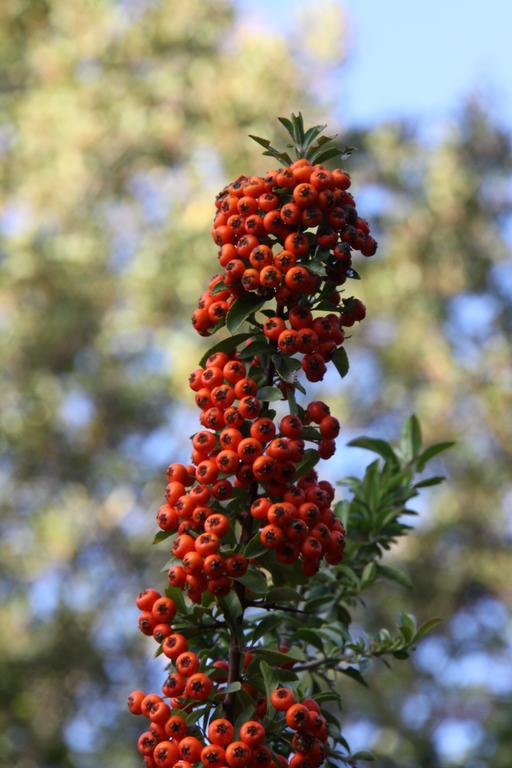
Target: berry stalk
[{"x": 249, "y": 521}]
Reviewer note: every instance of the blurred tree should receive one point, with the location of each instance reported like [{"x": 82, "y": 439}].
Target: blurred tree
[{"x": 118, "y": 123}]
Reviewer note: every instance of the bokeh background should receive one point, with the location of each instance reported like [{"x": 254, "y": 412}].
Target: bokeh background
[{"x": 119, "y": 120}]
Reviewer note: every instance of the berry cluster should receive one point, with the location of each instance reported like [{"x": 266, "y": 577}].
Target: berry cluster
[
  {"x": 170, "y": 741},
  {"x": 275, "y": 233},
  {"x": 249, "y": 511}
]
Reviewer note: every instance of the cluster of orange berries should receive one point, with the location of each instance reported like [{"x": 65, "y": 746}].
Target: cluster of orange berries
[
  {"x": 316, "y": 338},
  {"x": 167, "y": 742},
  {"x": 243, "y": 449},
  {"x": 270, "y": 230},
  {"x": 251, "y": 490}
]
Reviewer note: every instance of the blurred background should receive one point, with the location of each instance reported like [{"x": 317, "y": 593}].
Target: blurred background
[{"x": 119, "y": 121}]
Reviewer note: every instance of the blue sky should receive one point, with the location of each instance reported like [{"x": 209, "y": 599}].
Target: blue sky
[{"x": 416, "y": 59}]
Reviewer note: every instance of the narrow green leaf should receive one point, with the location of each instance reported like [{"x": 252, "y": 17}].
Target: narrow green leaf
[
  {"x": 311, "y": 134},
  {"x": 255, "y": 548},
  {"x": 364, "y": 754},
  {"x": 292, "y": 402},
  {"x": 354, "y": 674},
  {"x": 410, "y": 438},
  {"x": 231, "y": 607},
  {"x": 218, "y": 288},
  {"x": 326, "y": 696},
  {"x": 270, "y": 681},
  {"x": 269, "y": 394},
  {"x": 395, "y": 574},
  {"x": 283, "y": 595},
  {"x": 311, "y": 637},
  {"x": 241, "y": 309},
  {"x": 427, "y": 627},
  {"x": 429, "y": 453},
  {"x": 340, "y": 360},
  {"x": 288, "y": 125},
  {"x": 177, "y": 595},
  {"x": 245, "y": 707},
  {"x": 262, "y": 142},
  {"x": 381, "y": 447},
  {"x": 310, "y": 433},
  {"x": 310, "y": 460},
  {"x": 265, "y": 625},
  {"x": 342, "y": 510},
  {"x": 274, "y": 657},
  {"x": 326, "y": 154},
  {"x": 436, "y": 480},
  {"x": 298, "y": 128},
  {"x": 231, "y": 688},
  {"x": 407, "y": 626},
  {"x": 369, "y": 574},
  {"x": 162, "y": 536},
  {"x": 286, "y": 367},
  {"x": 255, "y": 580},
  {"x": 226, "y": 345}
]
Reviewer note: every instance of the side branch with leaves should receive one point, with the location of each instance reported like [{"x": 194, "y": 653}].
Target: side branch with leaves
[{"x": 255, "y": 620}]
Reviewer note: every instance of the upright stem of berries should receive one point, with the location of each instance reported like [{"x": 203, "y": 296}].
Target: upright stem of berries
[{"x": 249, "y": 518}]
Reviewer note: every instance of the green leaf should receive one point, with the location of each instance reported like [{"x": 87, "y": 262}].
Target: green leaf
[
  {"x": 218, "y": 288},
  {"x": 326, "y": 696},
  {"x": 263, "y": 142},
  {"x": 270, "y": 681},
  {"x": 310, "y": 460},
  {"x": 245, "y": 706},
  {"x": 241, "y": 309},
  {"x": 436, "y": 480},
  {"x": 327, "y": 154},
  {"x": 231, "y": 607},
  {"x": 177, "y": 595},
  {"x": 427, "y": 627},
  {"x": 292, "y": 402},
  {"x": 410, "y": 438},
  {"x": 226, "y": 345},
  {"x": 429, "y": 453},
  {"x": 395, "y": 574},
  {"x": 231, "y": 688},
  {"x": 288, "y": 125},
  {"x": 340, "y": 360},
  {"x": 354, "y": 674},
  {"x": 407, "y": 626},
  {"x": 369, "y": 574},
  {"x": 285, "y": 367},
  {"x": 316, "y": 267},
  {"x": 298, "y": 129},
  {"x": 310, "y": 433},
  {"x": 283, "y": 595},
  {"x": 269, "y": 394},
  {"x": 265, "y": 625},
  {"x": 162, "y": 536},
  {"x": 311, "y": 134},
  {"x": 274, "y": 657},
  {"x": 255, "y": 548},
  {"x": 381, "y": 447},
  {"x": 342, "y": 510},
  {"x": 311, "y": 637},
  {"x": 255, "y": 580},
  {"x": 363, "y": 754}
]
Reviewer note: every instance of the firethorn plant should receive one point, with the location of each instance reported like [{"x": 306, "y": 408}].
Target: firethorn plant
[{"x": 255, "y": 618}]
